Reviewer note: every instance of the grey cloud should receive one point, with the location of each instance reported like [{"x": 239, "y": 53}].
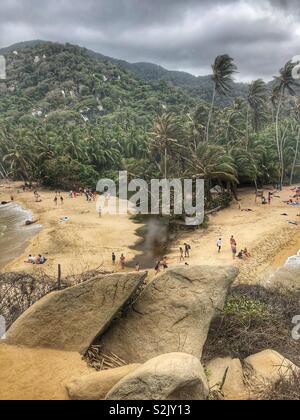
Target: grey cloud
[{"x": 179, "y": 34}]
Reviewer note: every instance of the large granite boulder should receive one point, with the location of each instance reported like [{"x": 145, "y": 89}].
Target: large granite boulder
[
  {"x": 95, "y": 386},
  {"x": 172, "y": 315},
  {"x": 226, "y": 378},
  {"x": 73, "y": 318},
  {"x": 268, "y": 367},
  {"x": 174, "y": 376}
]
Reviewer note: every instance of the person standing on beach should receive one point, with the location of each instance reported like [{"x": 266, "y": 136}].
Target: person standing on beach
[
  {"x": 187, "y": 249},
  {"x": 113, "y": 258},
  {"x": 181, "y": 254},
  {"x": 219, "y": 245},
  {"x": 233, "y": 244},
  {"x": 270, "y": 196},
  {"x": 61, "y": 200},
  {"x": 122, "y": 261},
  {"x": 55, "y": 200}
]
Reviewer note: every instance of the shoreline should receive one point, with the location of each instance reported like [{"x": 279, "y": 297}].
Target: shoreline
[
  {"x": 16, "y": 235},
  {"x": 87, "y": 241}
]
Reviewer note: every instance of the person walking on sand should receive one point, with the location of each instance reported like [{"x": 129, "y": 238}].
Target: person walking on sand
[
  {"x": 181, "y": 254},
  {"x": 187, "y": 249},
  {"x": 61, "y": 200},
  {"x": 55, "y": 200},
  {"x": 113, "y": 258},
  {"x": 165, "y": 263},
  {"x": 219, "y": 245},
  {"x": 122, "y": 261},
  {"x": 157, "y": 267}
]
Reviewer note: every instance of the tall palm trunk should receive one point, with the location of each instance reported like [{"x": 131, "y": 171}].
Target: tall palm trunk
[
  {"x": 295, "y": 158},
  {"x": 210, "y": 113},
  {"x": 166, "y": 158},
  {"x": 279, "y": 140},
  {"x": 247, "y": 128}
]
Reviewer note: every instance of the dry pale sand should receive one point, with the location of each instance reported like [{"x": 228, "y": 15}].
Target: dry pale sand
[
  {"x": 37, "y": 374},
  {"x": 87, "y": 241},
  {"x": 84, "y": 243},
  {"x": 265, "y": 232}
]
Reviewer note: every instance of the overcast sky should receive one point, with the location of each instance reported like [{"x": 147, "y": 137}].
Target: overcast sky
[{"x": 261, "y": 35}]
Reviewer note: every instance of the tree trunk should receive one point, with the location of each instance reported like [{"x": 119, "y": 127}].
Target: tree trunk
[
  {"x": 278, "y": 140},
  {"x": 295, "y": 159},
  {"x": 247, "y": 128},
  {"x": 210, "y": 113},
  {"x": 166, "y": 157}
]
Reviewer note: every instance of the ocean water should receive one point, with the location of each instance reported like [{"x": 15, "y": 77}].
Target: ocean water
[{"x": 14, "y": 235}]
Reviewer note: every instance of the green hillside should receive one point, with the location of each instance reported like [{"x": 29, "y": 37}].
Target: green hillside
[{"x": 69, "y": 116}]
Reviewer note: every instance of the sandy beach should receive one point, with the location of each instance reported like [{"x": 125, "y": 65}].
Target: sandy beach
[{"x": 86, "y": 241}]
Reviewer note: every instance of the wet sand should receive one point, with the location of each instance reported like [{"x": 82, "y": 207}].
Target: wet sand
[{"x": 14, "y": 234}]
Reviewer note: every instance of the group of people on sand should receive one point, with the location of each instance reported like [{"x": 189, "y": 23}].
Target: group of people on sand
[
  {"x": 161, "y": 265},
  {"x": 37, "y": 260},
  {"x": 268, "y": 199},
  {"x": 89, "y": 194},
  {"x": 185, "y": 251},
  {"x": 27, "y": 186},
  {"x": 58, "y": 197},
  {"x": 243, "y": 254},
  {"x": 122, "y": 260}
]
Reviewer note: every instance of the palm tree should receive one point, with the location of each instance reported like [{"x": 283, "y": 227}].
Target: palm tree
[
  {"x": 164, "y": 139},
  {"x": 284, "y": 82},
  {"x": 257, "y": 97},
  {"x": 210, "y": 162},
  {"x": 297, "y": 131},
  {"x": 222, "y": 77}
]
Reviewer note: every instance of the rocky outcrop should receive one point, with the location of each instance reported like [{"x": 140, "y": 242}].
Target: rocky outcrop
[
  {"x": 37, "y": 374},
  {"x": 236, "y": 380},
  {"x": 268, "y": 367},
  {"x": 172, "y": 315},
  {"x": 95, "y": 386},
  {"x": 226, "y": 377},
  {"x": 174, "y": 376},
  {"x": 73, "y": 318}
]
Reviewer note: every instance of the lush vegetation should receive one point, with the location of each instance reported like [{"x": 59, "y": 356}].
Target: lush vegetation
[{"x": 67, "y": 118}]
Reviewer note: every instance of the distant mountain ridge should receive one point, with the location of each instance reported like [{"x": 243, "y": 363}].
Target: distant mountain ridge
[{"x": 199, "y": 87}]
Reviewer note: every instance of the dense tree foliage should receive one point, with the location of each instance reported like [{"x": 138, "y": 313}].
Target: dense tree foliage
[{"x": 68, "y": 118}]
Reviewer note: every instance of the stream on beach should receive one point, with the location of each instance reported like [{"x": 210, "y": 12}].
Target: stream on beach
[
  {"x": 14, "y": 235},
  {"x": 156, "y": 237}
]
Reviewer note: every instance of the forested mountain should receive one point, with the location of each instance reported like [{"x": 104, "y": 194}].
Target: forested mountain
[
  {"x": 200, "y": 87},
  {"x": 69, "y": 116},
  {"x": 47, "y": 78},
  {"x": 79, "y": 114}
]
